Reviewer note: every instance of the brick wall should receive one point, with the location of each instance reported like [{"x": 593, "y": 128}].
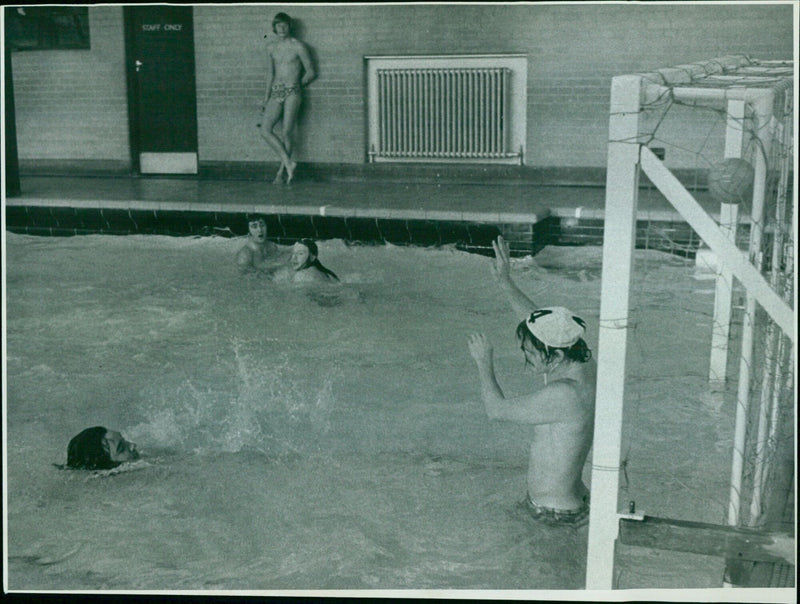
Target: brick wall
[
  {"x": 72, "y": 104},
  {"x": 573, "y": 51}
]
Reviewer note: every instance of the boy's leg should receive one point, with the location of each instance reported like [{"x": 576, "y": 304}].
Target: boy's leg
[
  {"x": 291, "y": 107},
  {"x": 270, "y": 116}
]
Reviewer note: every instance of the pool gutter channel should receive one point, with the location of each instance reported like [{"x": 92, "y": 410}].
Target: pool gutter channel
[{"x": 473, "y": 231}]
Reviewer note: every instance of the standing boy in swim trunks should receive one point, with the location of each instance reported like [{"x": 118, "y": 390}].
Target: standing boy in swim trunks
[
  {"x": 560, "y": 410},
  {"x": 258, "y": 254},
  {"x": 287, "y": 60}
]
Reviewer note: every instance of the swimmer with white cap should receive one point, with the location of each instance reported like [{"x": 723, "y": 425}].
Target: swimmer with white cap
[{"x": 560, "y": 410}]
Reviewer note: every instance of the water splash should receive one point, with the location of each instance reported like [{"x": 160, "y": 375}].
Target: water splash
[{"x": 267, "y": 408}]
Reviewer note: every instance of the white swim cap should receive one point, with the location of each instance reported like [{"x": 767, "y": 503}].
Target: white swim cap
[{"x": 556, "y": 327}]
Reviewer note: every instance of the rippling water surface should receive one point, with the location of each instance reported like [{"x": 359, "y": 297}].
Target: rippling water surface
[{"x": 318, "y": 440}]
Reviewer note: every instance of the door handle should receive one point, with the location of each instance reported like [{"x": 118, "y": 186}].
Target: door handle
[{"x": 138, "y": 64}]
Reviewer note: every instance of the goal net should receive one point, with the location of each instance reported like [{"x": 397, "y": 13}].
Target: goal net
[{"x": 715, "y": 140}]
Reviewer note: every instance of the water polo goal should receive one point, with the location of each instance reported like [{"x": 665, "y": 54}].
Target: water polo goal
[{"x": 716, "y": 139}]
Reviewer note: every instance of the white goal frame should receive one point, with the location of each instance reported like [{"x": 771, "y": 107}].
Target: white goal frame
[{"x": 627, "y": 155}]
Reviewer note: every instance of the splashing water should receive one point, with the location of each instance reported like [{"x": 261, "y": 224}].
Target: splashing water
[
  {"x": 300, "y": 442},
  {"x": 259, "y": 410}
]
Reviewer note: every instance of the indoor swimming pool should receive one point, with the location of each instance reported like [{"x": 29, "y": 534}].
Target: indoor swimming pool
[{"x": 328, "y": 439}]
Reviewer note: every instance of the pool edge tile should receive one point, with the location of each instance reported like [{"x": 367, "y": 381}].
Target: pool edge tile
[
  {"x": 381, "y": 213},
  {"x": 166, "y": 206},
  {"x": 447, "y": 215},
  {"x": 519, "y": 218},
  {"x": 336, "y": 212},
  {"x": 472, "y": 216}
]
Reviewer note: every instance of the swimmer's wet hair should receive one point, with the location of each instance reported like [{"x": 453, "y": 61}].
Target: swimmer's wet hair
[
  {"x": 578, "y": 352},
  {"x": 311, "y": 245},
  {"x": 280, "y": 18},
  {"x": 314, "y": 251},
  {"x": 86, "y": 451},
  {"x": 254, "y": 217}
]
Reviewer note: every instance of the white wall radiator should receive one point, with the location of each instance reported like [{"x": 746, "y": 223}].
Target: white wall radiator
[{"x": 456, "y": 111}]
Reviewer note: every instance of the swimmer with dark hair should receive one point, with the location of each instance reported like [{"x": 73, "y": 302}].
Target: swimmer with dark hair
[
  {"x": 99, "y": 449},
  {"x": 561, "y": 407},
  {"x": 259, "y": 255},
  {"x": 306, "y": 265}
]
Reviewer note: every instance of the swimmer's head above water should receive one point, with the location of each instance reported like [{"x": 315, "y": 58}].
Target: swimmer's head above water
[
  {"x": 305, "y": 255},
  {"x": 257, "y": 227},
  {"x": 554, "y": 333},
  {"x": 99, "y": 449},
  {"x": 304, "y": 252}
]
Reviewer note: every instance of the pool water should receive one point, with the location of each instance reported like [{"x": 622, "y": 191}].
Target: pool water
[{"x": 320, "y": 439}]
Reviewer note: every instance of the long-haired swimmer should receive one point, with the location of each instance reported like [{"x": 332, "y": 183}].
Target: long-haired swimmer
[
  {"x": 98, "y": 448},
  {"x": 305, "y": 263},
  {"x": 560, "y": 409}
]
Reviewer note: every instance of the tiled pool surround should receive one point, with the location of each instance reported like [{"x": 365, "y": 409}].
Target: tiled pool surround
[
  {"x": 407, "y": 213},
  {"x": 525, "y": 237},
  {"x": 282, "y": 228}
]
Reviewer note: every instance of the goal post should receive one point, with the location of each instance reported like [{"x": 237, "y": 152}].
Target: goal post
[
  {"x": 754, "y": 99},
  {"x": 728, "y": 222},
  {"x": 622, "y": 188}
]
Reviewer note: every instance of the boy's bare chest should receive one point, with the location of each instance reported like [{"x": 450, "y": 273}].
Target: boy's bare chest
[{"x": 284, "y": 52}]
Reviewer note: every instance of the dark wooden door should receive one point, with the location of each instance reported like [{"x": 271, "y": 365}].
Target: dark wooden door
[{"x": 162, "y": 90}]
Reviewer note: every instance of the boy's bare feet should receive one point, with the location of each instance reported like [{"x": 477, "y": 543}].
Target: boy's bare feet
[
  {"x": 290, "y": 171},
  {"x": 279, "y": 176}
]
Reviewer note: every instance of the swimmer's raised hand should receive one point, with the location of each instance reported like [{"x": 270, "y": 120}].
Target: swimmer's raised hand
[
  {"x": 501, "y": 267},
  {"x": 480, "y": 348}
]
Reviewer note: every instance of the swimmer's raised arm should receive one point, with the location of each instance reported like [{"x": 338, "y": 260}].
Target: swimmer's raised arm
[
  {"x": 482, "y": 351},
  {"x": 501, "y": 268},
  {"x": 555, "y": 403}
]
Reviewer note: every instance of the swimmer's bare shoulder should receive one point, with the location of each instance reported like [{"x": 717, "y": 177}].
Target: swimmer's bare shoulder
[
  {"x": 568, "y": 400},
  {"x": 579, "y": 391},
  {"x": 244, "y": 258},
  {"x": 311, "y": 275}
]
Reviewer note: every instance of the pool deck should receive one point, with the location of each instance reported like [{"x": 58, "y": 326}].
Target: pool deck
[{"x": 490, "y": 203}]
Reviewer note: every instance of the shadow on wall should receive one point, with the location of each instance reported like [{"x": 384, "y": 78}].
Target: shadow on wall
[{"x": 301, "y": 131}]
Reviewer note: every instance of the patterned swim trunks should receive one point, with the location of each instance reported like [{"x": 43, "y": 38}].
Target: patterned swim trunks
[
  {"x": 281, "y": 92},
  {"x": 557, "y": 516}
]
